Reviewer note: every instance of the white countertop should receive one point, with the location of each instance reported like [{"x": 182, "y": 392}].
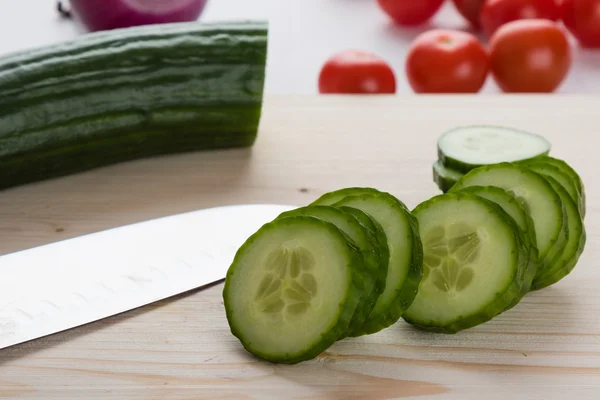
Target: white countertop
[{"x": 303, "y": 34}]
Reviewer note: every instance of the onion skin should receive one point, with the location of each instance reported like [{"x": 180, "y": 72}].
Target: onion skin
[{"x": 98, "y": 15}]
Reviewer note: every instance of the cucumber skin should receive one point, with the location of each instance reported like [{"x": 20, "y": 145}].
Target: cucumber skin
[
  {"x": 115, "y": 96},
  {"x": 561, "y": 269},
  {"x": 463, "y": 167},
  {"x": 543, "y": 260},
  {"x": 504, "y": 300},
  {"x": 407, "y": 293},
  {"x": 347, "y": 307},
  {"x": 379, "y": 236},
  {"x": 567, "y": 169},
  {"x": 384, "y": 251},
  {"x": 333, "y": 197},
  {"x": 372, "y": 275},
  {"x": 444, "y": 182},
  {"x": 527, "y": 237}
]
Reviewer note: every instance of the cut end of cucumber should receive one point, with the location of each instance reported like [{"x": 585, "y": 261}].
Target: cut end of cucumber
[{"x": 469, "y": 147}]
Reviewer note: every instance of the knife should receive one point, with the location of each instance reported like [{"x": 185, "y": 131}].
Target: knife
[{"x": 59, "y": 286}]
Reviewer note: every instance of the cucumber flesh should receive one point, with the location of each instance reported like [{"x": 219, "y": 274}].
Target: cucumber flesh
[
  {"x": 574, "y": 184},
  {"x": 574, "y": 247},
  {"x": 445, "y": 177},
  {"x": 292, "y": 289},
  {"x": 469, "y": 147},
  {"x": 535, "y": 194},
  {"x": 405, "y": 267},
  {"x": 515, "y": 210},
  {"x": 373, "y": 275},
  {"x": 474, "y": 262}
]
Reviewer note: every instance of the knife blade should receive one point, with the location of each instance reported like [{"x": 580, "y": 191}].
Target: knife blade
[{"x": 59, "y": 286}]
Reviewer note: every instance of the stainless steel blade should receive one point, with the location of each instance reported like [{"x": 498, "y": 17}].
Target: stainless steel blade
[{"x": 62, "y": 285}]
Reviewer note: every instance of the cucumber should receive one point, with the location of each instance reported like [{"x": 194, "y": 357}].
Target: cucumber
[
  {"x": 469, "y": 147},
  {"x": 117, "y": 95},
  {"x": 515, "y": 210},
  {"x": 293, "y": 288},
  {"x": 405, "y": 267},
  {"x": 474, "y": 263},
  {"x": 564, "y": 174},
  {"x": 374, "y": 273},
  {"x": 538, "y": 198},
  {"x": 574, "y": 246},
  {"x": 444, "y": 177},
  {"x": 334, "y": 196}
]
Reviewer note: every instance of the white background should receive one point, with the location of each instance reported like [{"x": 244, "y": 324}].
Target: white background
[{"x": 303, "y": 34}]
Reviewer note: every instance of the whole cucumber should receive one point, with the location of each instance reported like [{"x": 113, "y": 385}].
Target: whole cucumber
[{"x": 118, "y": 95}]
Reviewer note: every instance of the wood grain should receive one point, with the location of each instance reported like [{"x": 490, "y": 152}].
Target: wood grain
[{"x": 548, "y": 347}]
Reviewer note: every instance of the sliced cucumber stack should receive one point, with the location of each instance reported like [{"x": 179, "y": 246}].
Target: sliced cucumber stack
[
  {"x": 373, "y": 275},
  {"x": 474, "y": 265},
  {"x": 520, "y": 216},
  {"x": 405, "y": 267},
  {"x": 321, "y": 273},
  {"x": 445, "y": 177},
  {"x": 536, "y": 195},
  {"x": 469, "y": 147},
  {"x": 293, "y": 289},
  {"x": 564, "y": 174},
  {"x": 575, "y": 244}
]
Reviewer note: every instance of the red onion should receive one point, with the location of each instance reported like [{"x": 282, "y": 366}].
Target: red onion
[{"x": 99, "y": 15}]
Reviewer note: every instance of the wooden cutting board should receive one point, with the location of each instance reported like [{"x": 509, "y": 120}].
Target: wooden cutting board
[{"x": 548, "y": 347}]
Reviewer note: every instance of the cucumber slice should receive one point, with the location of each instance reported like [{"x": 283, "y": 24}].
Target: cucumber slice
[
  {"x": 333, "y": 197},
  {"x": 573, "y": 184},
  {"x": 405, "y": 267},
  {"x": 474, "y": 261},
  {"x": 444, "y": 177},
  {"x": 538, "y": 198},
  {"x": 469, "y": 147},
  {"x": 517, "y": 212},
  {"x": 382, "y": 244},
  {"x": 373, "y": 275},
  {"x": 293, "y": 288},
  {"x": 574, "y": 246}
]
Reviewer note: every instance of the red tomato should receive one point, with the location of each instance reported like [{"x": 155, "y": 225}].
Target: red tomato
[
  {"x": 496, "y": 13},
  {"x": 410, "y": 12},
  {"x": 470, "y": 10},
  {"x": 356, "y": 72},
  {"x": 446, "y": 61},
  {"x": 582, "y": 18},
  {"x": 530, "y": 56}
]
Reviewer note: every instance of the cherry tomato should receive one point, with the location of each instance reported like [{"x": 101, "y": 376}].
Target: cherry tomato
[
  {"x": 496, "y": 13},
  {"x": 582, "y": 18},
  {"x": 470, "y": 10},
  {"x": 410, "y": 12},
  {"x": 530, "y": 56},
  {"x": 356, "y": 72},
  {"x": 446, "y": 61}
]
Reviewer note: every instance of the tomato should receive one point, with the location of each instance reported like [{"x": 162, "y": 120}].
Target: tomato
[
  {"x": 496, "y": 13},
  {"x": 470, "y": 10},
  {"x": 356, "y": 72},
  {"x": 530, "y": 56},
  {"x": 410, "y": 12},
  {"x": 582, "y": 18},
  {"x": 446, "y": 61}
]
